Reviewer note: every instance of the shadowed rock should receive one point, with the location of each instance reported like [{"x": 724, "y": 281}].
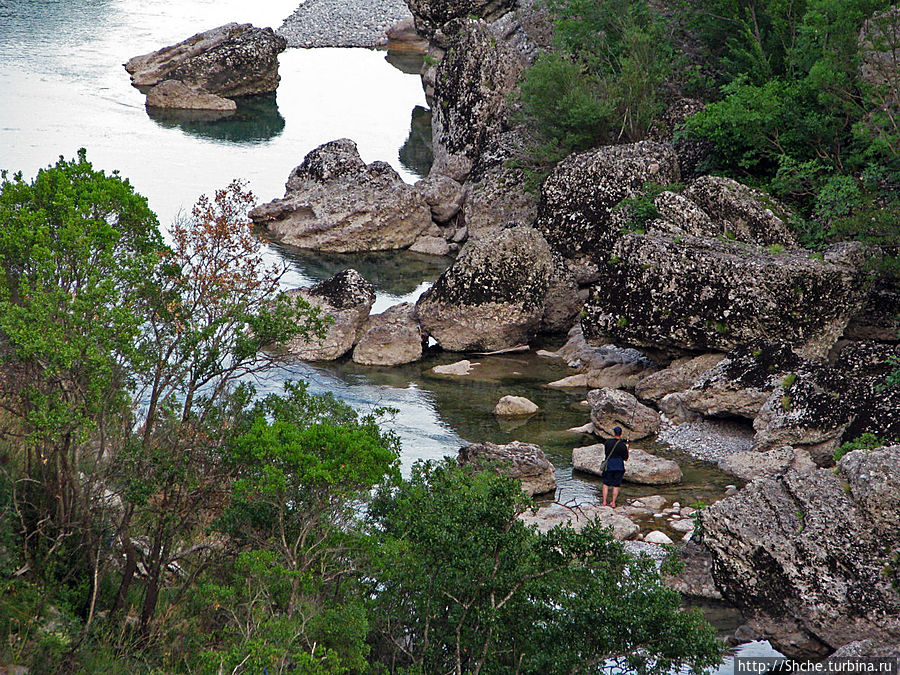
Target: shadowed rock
[{"x": 523, "y": 461}]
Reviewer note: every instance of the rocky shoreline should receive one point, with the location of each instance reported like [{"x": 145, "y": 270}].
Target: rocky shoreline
[{"x": 342, "y": 23}]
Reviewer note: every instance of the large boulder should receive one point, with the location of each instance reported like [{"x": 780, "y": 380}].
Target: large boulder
[
  {"x": 751, "y": 465},
  {"x": 347, "y": 298},
  {"x": 704, "y": 294},
  {"x": 335, "y": 202},
  {"x": 612, "y": 408},
  {"x": 494, "y": 196},
  {"x": 523, "y": 461},
  {"x": 642, "y": 467},
  {"x": 575, "y": 211},
  {"x": 231, "y": 60},
  {"x": 470, "y": 89},
  {"x": 553, "y": 515},
  {"x": 678, "y": 376},
  {"x": 495, "y": 295},
  {"x": 430, "y": 15},
  {"x": 180, "y": 96},
  {"x": 742, "y": 212},
  {"x": 515, "y": 406},
  {"x": 391, "y": 338},
  {"x": 809, "y": 557}
]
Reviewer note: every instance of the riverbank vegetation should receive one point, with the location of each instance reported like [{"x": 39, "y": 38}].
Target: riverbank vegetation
[
  {"x": 795, "y": 102},
  {"x": 157, "y": 516}
]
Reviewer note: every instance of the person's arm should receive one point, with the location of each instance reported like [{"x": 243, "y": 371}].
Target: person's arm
[{"x": 626, "y": 451}]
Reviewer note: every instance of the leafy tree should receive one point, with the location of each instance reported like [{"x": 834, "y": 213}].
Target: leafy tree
[{"x": 462, "y": 585}]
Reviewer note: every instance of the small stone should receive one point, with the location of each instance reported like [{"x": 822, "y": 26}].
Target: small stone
[
  {"x": 657, "y": 537},
  {"x": 459, "y": 368}
]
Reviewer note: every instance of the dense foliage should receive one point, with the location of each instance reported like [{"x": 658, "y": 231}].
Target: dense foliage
[
  {"x": 157, "y": 516},
  {"x": 796, "y": 103}
]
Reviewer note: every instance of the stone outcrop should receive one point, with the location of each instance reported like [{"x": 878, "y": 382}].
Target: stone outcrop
[
  {"x": 678, "y": 376},
  {"x": 347, "y": 298},
  {"x": 751, "y": 465},
  {"x": 495, "y": 295},
  {"x": 180, "y": 96},
  {"x": 515, "y": 406},
  {"x": 575, "y": 212},
  {"x": 810, "y": 557},
  {"x": 606, "y": 366},
  {"x": 523, "y": 461},
  {"x": 703, "y": 294},
  {"x": 742, "y": 212},
  {"x": 443, "y": 195},
  {"x": 695, "y": 579},
  {"x": 471, "y": 83},
  {"x": 391, "y": 338},
  {"x": 553, "y": 515},
  {"x": 497, "y": 195},
  {"x": 431, "y": 15},
  {"x": 613, "y": 407},
  {"x": 231, "y": 60},
  {"x": 641, "y": 467},
  {"x": 335, "y": 202}
]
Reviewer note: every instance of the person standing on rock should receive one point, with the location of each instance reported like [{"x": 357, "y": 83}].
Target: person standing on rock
[{"x": 616, "y": 452}]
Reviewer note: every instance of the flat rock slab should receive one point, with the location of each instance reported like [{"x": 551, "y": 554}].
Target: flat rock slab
[
  {"x": 641, "y": 467},
  {"x": 458, "y": 369},
  {"x": 553, "y": 515}
]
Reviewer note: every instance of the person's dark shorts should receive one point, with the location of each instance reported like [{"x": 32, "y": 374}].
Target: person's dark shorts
[{"x": 612, "y": 478}]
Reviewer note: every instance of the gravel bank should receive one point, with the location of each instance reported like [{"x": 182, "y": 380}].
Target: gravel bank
[
  {"x": 342, "y": 23},
  {"x": 709, "y": 440}
]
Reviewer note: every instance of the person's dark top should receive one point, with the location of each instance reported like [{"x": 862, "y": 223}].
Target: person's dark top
[{"x": 617, "y": 451}]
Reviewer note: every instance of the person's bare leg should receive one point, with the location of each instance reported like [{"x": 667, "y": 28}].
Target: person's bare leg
[
  {"x": 615, "y": 494},
  {"x": 605, "y": 491}
]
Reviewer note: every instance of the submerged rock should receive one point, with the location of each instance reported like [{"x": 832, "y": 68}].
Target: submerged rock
[
  {"x": 347, "y": 298},
  {"x": 578, "y": 197},
  {"x": 495, "y": 294},
  {"x": 809, "y": 560},
  {"x": 335, "y": 202},
  {"x": 458, "y": 368},
  {"x": 523, "y": 461},
  {"x": 391, "y": 338},
  {"x": 231, "y": 60},
  {"x": 702, "y": 294}
]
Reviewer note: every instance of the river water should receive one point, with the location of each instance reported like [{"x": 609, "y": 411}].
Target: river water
[{"x": 63, "y": 87}]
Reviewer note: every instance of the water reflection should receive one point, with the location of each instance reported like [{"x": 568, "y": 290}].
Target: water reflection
[
  {"x": 256, "y": 120},
  {"x": 416, "y": 155},
  {"x": 409, "y": 62}
]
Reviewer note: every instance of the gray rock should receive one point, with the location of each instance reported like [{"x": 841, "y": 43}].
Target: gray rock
[
  {"x": 523, "y": 461},
  {"x": 803, "y": 560},
  {"x": 879, "y": 318},
  {"x": 874, "y": 481},
  {"x": 347, "y": 298},
  {"x": 443, "y": 195},
  {"x": 601, "y": 366},
  {"x": 641, "y": 467},
  {"x": 702, "y": 294},
  {"x": 578, "y": 197},
  {"x": 471, "y": 86},
  {"x": 495, "y": 196},
  {"x": 231, "y": 60},
  {"x": 865, "y": 649},
  {"x": 348, "y": 23},
  {"x": 515, "y": 406},
  {"x": 495, "y": 294},
  {"x": 180, "y": 96},
  {"x": 742, "y": 212},
  {"x": 430, "y": 245},
  {"x": 613, "y": 407},
  {"x": 335, "y": 202},
  {"x": 695, "y": 579},
  {"x": 390, "y": 338},
  {"x": 680, "y": 375},
  {"x": 431, "y": 15},
  {"x": 751, "y": 465},
  {"x": 554, "y": 515}
]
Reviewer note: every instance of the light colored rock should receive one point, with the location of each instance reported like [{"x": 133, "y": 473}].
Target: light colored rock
[
  {"x": 641, "y": 467},
  {"x": 180, "y": 96},
  {"x": 523, "y": 461},
  {"x": 231, "y": 60},
  {"x": 443, "y": 195},
  {"x": 684, "y": 526},
  {"x": 680, "y": 375},
  {"x": 458, "y": 368},
  {"x": 347, "y": 298},
  {"x": 570, "y": 382},
  {"x": 657, "y": 537},
  {"x": 497, "y": 195},
  {"x": 515, "y": 406},
  {"x": 390, "y": 338},
  {"x": 583, "y": 429},
  {"x": 495, "y": 294},
  {"x": 612, "y": 407},
  {"x": 675, "y": 410},
  {"x": 751, "y": 465},
  {"x": 430, "y": 245},
  {"x": 553, "y": 515},
  {"x": 652, "y": 502},
  {"x": 335, "y": 202},
  {"x": 695, "y": 579}
]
